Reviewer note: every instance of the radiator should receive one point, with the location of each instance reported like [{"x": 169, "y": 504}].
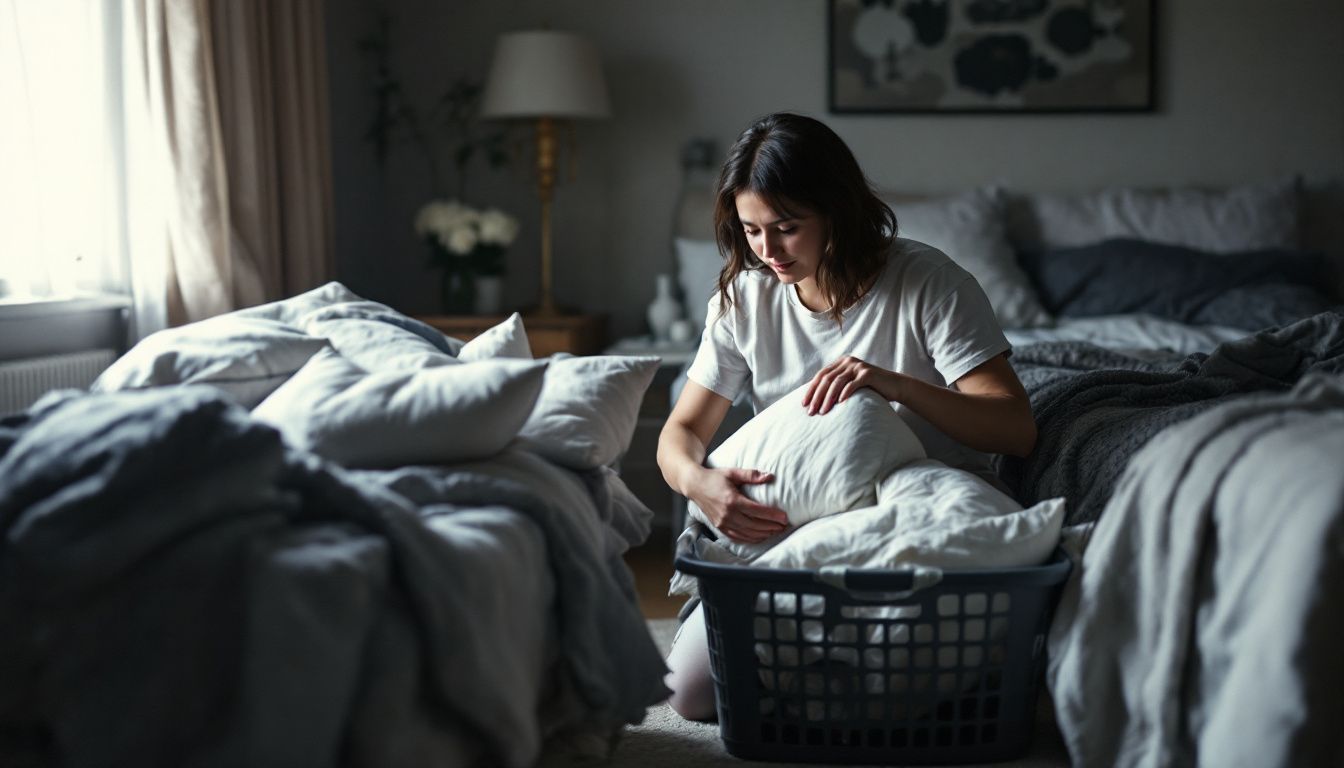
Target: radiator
[{"x": 22, "y": 382}]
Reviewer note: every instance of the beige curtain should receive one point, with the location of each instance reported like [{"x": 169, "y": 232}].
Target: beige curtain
[
  {"x": 271, "y": 69},
  {"x": 229, "y": 171}
]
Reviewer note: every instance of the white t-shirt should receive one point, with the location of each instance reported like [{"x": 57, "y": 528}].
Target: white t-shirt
[{"x": 925, "y": 317}]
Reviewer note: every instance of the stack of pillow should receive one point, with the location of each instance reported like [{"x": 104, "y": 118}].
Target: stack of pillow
[
  {"x": 1227, "y": 257},
  {"x": 365, "y": 386}
]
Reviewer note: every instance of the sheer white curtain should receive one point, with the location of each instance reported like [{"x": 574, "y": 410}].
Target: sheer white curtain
[
  {"x": 175, "y": 150},
  {"x": 60, "y": 149}
]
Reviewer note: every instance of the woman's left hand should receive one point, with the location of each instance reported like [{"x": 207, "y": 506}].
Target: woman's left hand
[{"x": 837, "y": 381}]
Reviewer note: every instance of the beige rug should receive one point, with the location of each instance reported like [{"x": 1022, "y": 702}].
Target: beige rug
[{"x": 665, "y": 740}]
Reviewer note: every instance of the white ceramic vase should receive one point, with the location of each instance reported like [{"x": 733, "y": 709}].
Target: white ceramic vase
[{"x": 664, "y": 310}]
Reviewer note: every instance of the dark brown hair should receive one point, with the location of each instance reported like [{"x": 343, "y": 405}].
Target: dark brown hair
[{"x": 794, "y": 161}]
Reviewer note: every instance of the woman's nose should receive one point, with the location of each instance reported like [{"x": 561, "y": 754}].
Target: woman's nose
[{"x": 768, "y": 246}]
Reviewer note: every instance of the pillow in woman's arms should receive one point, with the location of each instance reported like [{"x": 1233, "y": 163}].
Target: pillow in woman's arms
[{"x": 822, "y": 464}]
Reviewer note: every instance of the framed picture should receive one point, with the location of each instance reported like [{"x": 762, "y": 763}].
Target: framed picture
[{"x": 1001, "y": 56}]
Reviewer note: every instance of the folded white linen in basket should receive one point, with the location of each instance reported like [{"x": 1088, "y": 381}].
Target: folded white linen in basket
[{"x": 927, "y": 514}]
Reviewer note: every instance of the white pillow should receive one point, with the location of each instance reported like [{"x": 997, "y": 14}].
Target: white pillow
[
  {"x": 507, "y": 339},
  {"x": 290, "y": 310},
  {"x": 1242, "y": 218},
  {"x": 246, "y": 358},
  {"x": 587, "y": 410},
  {"x": 970, "y": 229},
  {"x": 823, "y": 464},
  {"x": 375, "y": 345},
  {"x": 698, "y": 266},
  {"x": 337, "y": 410}
]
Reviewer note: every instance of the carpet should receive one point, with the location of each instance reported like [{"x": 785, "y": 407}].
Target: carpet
[{"x": 665, "y": 740}]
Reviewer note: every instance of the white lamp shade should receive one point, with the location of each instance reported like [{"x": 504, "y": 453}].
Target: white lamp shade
[{"x": 544, "y": 73}]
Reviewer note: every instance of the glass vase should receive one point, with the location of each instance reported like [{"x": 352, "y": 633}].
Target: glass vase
[{"x": 458, "y": 292}]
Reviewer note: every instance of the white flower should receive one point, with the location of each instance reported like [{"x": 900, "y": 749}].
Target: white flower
[
  {"x": 498, "y": 227},
  {"x": 461, "y": 240}
]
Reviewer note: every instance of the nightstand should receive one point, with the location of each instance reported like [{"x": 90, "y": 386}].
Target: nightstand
[
  {"x": 639, "y": 465},
  {"x": 575, "y": 334}
]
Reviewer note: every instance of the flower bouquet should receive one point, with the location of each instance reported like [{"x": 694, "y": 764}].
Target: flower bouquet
[{"x": 466, "y": 244}]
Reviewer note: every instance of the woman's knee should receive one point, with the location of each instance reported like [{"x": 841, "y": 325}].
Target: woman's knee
[{"x": 689, "y": 679}]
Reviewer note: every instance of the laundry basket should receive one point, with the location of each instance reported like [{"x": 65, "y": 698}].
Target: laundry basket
[{"x": 876, "y": 666}]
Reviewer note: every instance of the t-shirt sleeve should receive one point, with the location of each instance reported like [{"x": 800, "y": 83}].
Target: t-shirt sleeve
[
  {"x": 719, "y": 365},
  {"x": 960, "y": 329}
]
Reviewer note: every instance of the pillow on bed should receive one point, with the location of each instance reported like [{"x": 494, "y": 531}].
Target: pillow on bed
[
  {"x": 334, "y": 300},
  {"x": 1249, "y": 290},
  {"x": 1241, "y": 218},
  {"x": 338, "y": 410},
  {"x": 244, "y": 357},
  {"x": 822, "y": 464},
  {"x": 587, "y": 410},
  {"x": 969, "y": 228},
  {"x": 507, "y": 339},
  {"x": 375, "y": 345},
  {"x": 698, "y": 266}
]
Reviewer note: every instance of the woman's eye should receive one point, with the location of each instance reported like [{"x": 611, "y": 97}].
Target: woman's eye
[
  {"x": 787, "y": 230},
  {"x": 752, "y": 232}
]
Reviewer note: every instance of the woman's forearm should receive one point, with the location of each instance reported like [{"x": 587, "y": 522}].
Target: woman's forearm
[
  {"x": 991, "y": 422},
  {"x": 680, "y": 453}
]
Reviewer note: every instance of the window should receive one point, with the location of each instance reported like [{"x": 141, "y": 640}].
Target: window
[{"x": 61, "y": 157}]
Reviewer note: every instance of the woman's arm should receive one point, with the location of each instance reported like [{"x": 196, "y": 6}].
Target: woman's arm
[
  {"x": 988, "y": 410},
  {"x": 681, "y": 455}
]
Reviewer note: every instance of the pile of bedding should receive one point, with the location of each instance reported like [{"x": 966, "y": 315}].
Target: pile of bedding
[
  {"x": 1205, "y": 627},
  {"x": 860, "y": 492},
  {"x": 1095, "y": 407},
  {"x": 319, "y": 532}
]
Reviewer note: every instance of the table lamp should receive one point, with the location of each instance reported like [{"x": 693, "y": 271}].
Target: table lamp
[{"x": 546, "y": 76}]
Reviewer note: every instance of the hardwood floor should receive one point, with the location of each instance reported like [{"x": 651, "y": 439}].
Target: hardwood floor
[{"x": 651, "y": 563}]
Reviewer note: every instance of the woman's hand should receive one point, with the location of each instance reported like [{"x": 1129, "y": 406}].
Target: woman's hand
[
  {"x": 719, "y": 495},
  {"x": 837, "y": 381}
]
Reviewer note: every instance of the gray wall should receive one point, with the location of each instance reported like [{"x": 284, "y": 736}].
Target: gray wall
[{"x": 1248, "y": 90}]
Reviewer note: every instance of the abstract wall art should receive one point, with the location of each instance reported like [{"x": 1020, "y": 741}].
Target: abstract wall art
[{"x": 991, "y": 55}]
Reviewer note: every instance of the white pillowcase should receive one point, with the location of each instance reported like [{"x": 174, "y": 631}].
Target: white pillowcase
[
  {"x": 970, "y": 229},
  {"x": 375, "y": 345},
  {"x": 930, "y": 515},
  {"x": 1242, "y": 218},
  {"x": 506, "y": 339},
  {"x": 823, "y": 464},
  {"x": 587, "y": 410},
  {"x": 432, "y": 416},
  {"x": 244, "y": 357},
  {"x": 698, "y": 266}
]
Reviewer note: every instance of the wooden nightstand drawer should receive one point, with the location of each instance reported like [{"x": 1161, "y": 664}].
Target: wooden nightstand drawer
[{"x": 575, "y": 334}]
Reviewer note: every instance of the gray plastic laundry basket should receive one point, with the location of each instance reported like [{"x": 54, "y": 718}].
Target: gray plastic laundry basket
[{"x": 876, "y": 666}]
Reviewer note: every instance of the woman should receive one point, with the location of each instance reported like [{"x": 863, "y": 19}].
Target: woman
[{"x": 818, "y": 290}]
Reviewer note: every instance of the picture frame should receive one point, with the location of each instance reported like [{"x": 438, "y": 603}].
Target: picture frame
[{"x": 991, "y": 56}]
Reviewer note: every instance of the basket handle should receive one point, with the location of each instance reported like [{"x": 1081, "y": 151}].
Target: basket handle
[{"x": 844, "y": 578}]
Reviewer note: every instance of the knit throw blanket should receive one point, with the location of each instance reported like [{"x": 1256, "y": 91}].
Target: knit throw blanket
[{"x": 1096, "y": 407}]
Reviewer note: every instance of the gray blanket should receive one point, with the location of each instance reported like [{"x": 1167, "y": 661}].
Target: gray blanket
[
  {"x": 1205, "y": 627},
  {"x": 179, "y": 588},
  {"x": 1095, "y": 408}
]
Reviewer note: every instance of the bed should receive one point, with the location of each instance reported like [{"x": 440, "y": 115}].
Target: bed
[
  {"x": 319, "y": 532},
  {"x": 1183, "y": 349}
]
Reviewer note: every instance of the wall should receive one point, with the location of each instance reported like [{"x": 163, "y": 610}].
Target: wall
[{"x": 1248, "y": 90}]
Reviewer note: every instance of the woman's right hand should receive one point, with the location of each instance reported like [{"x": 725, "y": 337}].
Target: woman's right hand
[{"x": 719, "y": 495}]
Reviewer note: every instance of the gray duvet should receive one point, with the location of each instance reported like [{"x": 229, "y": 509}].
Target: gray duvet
[
  {"x": 177, "y": 587},
  {"x": 1206, "y": 626}
]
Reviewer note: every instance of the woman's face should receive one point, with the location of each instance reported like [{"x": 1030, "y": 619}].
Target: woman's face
[{"x": 791, "y": 247}]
